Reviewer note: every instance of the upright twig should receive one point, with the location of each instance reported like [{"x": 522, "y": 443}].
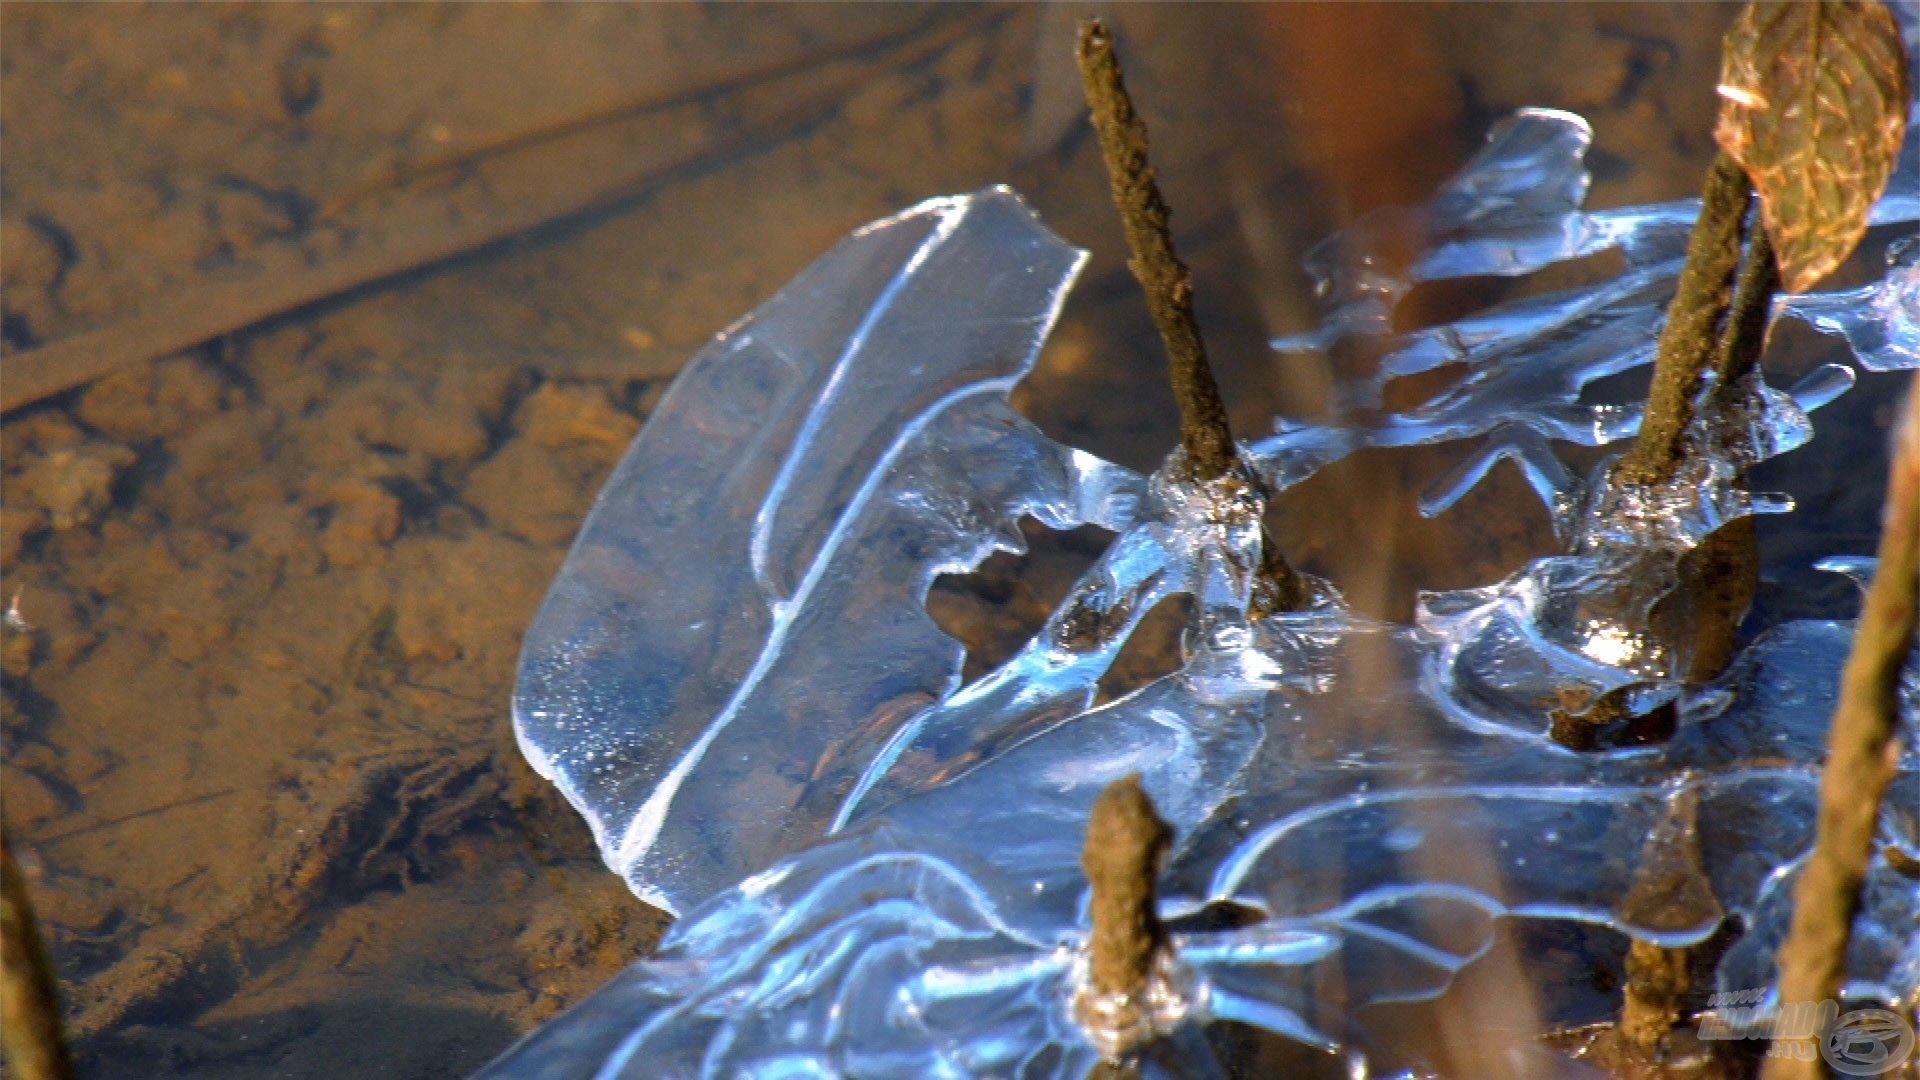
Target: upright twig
[
  {"x": 1690, "y": 338},
  {"x": 1716, "y": 328},
  {"x": 1125, "y": 845},
  {"x": 1743, "y": 335},
  {"x": 29, "y": 1007},
  {"x": 1718, "y": 579},
  {"x": 1803, "y": 155},
  {"x": 1670, "y": 878},
  {"x": 1657, "y": 982},
  {"x": 1861, "y": 752},
  {"x": 1168, "y": 284},
  {"x": 1125, "y": 842},
  {"x": 1704, "y": 334},
  {"x": 1205, "y": 434},
  {"x": 1819, "y": 148}
]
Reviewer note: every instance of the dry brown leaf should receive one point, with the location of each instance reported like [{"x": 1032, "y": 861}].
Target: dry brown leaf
[{"x": 1814, "y": 107}]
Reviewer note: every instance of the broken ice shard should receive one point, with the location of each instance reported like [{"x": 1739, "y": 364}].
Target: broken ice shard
[{"x": 741, "y": 622}]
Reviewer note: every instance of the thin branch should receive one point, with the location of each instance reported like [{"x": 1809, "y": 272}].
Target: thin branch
[
  {"x": 1670, "y": 876},
  {"x": 1168, "y": 284},
  {"x": 1744, "y": 336},
  {"x": 1657, "y": 983},
  {"x": 1126, "y": 843},
  {"x": 1861, "y": 754},
  {"x": 1689, "y": 341},
  {"x": 1126, "y": 840},
  {"x": 717, "y": 85},
  {"x": 1715, "y": 325},
  {"x": 1204, "y": 432}
]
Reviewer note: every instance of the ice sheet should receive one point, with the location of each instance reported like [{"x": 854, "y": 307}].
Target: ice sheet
[{"x": 736, "y": 682}]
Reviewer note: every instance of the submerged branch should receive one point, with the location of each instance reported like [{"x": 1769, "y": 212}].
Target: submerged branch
[
  {"x": 415, "y": 242},
  {"x": 1657, "y": 983},
  {"x": 1861, "y": 753}
]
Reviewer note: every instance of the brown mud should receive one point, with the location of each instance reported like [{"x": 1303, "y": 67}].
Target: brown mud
[{"x": 267, "y": 593}]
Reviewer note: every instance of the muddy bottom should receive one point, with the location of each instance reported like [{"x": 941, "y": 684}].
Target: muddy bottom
[{"x": 385, "y": 292}]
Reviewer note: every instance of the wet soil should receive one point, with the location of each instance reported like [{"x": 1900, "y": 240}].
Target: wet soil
[{"x": 268, "y": 592}]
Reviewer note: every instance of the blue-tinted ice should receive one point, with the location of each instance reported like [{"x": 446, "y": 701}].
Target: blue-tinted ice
[{"x": 736, "y": 681}]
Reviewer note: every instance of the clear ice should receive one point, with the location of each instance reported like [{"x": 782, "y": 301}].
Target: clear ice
[{"x": 736, "y": 681}]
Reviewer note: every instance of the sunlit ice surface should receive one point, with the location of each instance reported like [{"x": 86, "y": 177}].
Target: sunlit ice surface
[{"x": 736, "y": 682}]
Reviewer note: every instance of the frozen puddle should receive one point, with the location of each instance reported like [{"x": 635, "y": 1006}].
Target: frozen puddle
[{"x": 736, "y": 681}]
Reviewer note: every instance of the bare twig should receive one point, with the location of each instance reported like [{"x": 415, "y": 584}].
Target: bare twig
[
  {"x": 1168, "y": 284},
  {"x": 1861, "y": 755},
  {"x": 1719, "y": 578},
  {"x": 1744, "y": 336},
  {"x": 1670, "y": 880},
  {"x": 29, "y": 1006},
  {"x": 1125, "y": 842},
  {"x": 1688, "y": 342},
  {"x": 1657, "y": 981},
  {"x": 1205, "y": 435},
  {"x": 596, "y": 116},
  {"x": 1716, "y": 325}
]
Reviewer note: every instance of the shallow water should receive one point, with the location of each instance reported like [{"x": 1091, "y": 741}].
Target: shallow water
[{"x": 256, "y": 751}]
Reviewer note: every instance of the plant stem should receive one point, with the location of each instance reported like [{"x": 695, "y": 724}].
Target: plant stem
[
  {"x": 1716, "y": 324},
  {"x": 1670, "y": 876},
  {"x": 1125, "y": 842},
  {"x": 29, "y": 1008},
  {"x": 1657, "y": 981},
  {"x": 1689, "y": 341},
  {"x": 1744, "y": 337},
  {"x": 1718, "y": 579},
  {"x": 1276, "y": 587},
  {"x": 1204, "y": 432},
  {"x": 1861, "y": 753},
  {"x": 1168, "y": 284}
]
